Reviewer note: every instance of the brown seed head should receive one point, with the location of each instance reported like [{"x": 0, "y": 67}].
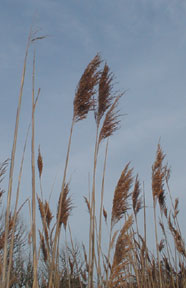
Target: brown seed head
[
  {"x": 86, "y": 89},
  {"x": 41, "y": 207},
  {"x": 136, "y": 201},
  {"x": 87, "y": 202},
  {"x": 123, "y": 244},
  {"x": 159, "y": 174},
  {"x": 176, "y": 210},
  {"x": 121, "y": 194},
  {"x": 105, "y": 214},
  {"x": 3, "y": 168},
  {"x": 105, "y": 95},
  {"x": 43, "y": 246},
  {"x": 167, "y": 265},
  {"x": 40, "y": 163},
  {"x": 179, "y": 243},
  {"x": 162, "y": 227},
  {"x": 161, "y": 245},
  {"x": 111, "y": 121},
  {"x": 48, "y": 214},
  {"x": 66, "y": 206}
]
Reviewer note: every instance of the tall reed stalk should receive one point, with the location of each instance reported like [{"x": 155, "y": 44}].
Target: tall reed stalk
[
  {"x": 100, "y": 218},
  {"x": 9, "y": 195},
  {"x": 107, "y": 103},
  {"x": 35, "y": 280},
  {"x": 159, "y": 173},
  {"x": 15, "y": 211},
  {"x": 83, "y": 103}
]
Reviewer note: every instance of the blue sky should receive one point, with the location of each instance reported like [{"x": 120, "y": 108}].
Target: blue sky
[{"x": 144, "y": 43}]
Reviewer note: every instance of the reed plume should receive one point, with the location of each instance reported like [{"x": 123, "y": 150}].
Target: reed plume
[
  {"x": 87, "y": 203},
  {"x": 66, "y": 206},
  {"x": 161, "y": 245},
  {"x": 179, "y": 243},
  {"x": 45, "y": 211},
  {"x": 43, "y": 218},
  {"x": 121, "y": 255},
  {"x": 3, "y": 168},
  {"x": 105, "y": 93},
  {"x": 43, "y": 247},
  {"x": 86, "y": 89},
  {"x": 105, "y": 214},
  {"x": 159, "y": 174},
  {"x": 120, "y": 205},
  {"x": 111, "y": 121},
  {"x": 121, "y": 194},
  {"x": 41, "y": 207},
  {"x": 40, "y": 163},
  {"x": 136, "y": 201},
  {"x": 48, "y": 214},
  {"x": 123, "y": 244},
  {"x": 113, "y": 239}
]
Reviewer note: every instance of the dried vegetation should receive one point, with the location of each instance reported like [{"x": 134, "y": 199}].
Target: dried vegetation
[{"x": 127, "y": 261}]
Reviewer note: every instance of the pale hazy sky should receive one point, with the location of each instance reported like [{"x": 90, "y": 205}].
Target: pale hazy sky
[{"x": 144, "y": 43}]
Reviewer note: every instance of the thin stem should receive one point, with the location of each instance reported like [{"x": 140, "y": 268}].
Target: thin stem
[
  {"x": 15, "y": 209},
  {"x": 35, "y": 283},
  {"x": 156, "y": 236},
  {"x": 92, "y": 213},
  {"x": 109, "y": 252},
  {"x": 101, "y": 214},
  {"x": 145, "y": 231},
  {"x": 12, "y": 166},
  {"x": 67, "y": 260}
]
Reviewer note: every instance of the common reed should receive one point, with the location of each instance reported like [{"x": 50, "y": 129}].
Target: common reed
[{"x": 127, "y": 260}]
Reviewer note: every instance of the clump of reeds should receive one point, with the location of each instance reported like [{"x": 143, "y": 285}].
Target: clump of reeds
[{"x": 127, "y": 261}]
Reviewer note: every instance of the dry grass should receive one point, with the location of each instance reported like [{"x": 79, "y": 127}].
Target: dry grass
[{"x": 128, "y": 260}]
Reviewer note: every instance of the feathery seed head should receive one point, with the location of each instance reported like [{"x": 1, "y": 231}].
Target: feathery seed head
[
  {"x": 179, "y": 243},
  {"x": 43, "y": 246},
  {"x": 40, "y": 162},
  {"x": 111, "y": 121},
  {"x": 121, "y": 194},
  {"x": 105, "y": 214},
  {"x": 136, "y": 201},
  {"x": 161, "y": 245},
  {"x": 105, "y": 96},
  {"x": 87, "y": 202},
  {"x": 159, "y": 174},
  {"x": 84, "y": 97},
  {"x": 48, "y": 214},
  {"x": 66, "y": 206},
  {"x": 3, "y": 167},
  {"x": 123, "y": 245},
  {"x": 41, "y": 207},
  {"x": 45, "y": 211}
]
